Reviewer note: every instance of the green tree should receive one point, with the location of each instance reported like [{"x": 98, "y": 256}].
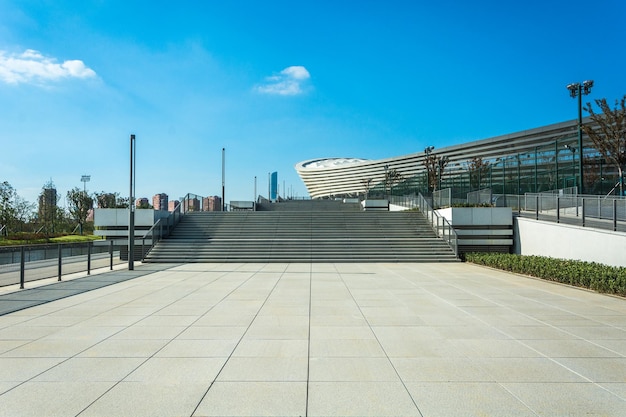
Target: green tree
[
  {"x": 111, "y": 200},
  {"x": 80, "y": 203},
  {"x": 7, "y": 209},
  {"x": 106, "y": 200},
  {"x": 609, "y": 133},
  {"x": 144, "y": 205}
]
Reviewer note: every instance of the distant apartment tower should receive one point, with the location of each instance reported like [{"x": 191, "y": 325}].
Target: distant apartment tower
[
  {"x": 142, "y": 202},
  {"x": 191, "y": 204},
  {"x": 160, "y": 201},
  {"x": 212, "y": 203},
  {"x": 172, "y": 205},
  {"x": 48, "y": 206}
]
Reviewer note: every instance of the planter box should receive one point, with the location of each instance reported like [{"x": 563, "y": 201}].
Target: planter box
[{"x": 481, "y": 229}]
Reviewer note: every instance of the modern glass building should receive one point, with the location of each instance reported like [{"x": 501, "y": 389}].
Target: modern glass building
[{"x": 530, "y": 161}]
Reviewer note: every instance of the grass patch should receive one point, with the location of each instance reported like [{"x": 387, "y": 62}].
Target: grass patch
[
  {"x": 591, "y": 275},
  {"x": 38, "y": 239}
]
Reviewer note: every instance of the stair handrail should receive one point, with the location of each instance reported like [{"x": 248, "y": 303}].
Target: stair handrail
[
  {"x": 165, "y": 226},
  {"x": 189, "y": 207},
  {"x": 440, "y": 225}
]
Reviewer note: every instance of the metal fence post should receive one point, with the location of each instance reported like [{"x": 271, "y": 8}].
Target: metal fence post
[
  {"x": 60, "y": 263},
  {"x": 111, "y": 255},
  {"x": 614, "y": 215},
  {"x": 22, "y": 262},
  {"x": 537, "y": 207},
  {"x": 583, "y": 210},
  {"x": 599, "y": 210},
  {"x": 558, "y": 209},
  {"x": 89, "y": 258}
]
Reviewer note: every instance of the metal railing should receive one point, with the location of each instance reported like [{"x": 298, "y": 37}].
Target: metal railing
[
  {"x": 442, "y": 198},
  {"x": 440, "y": 225},
  {"x": 480, "y": 196},
  {"x": 607, "y": 213},
  {"x": 26, "y": 263},
  {"x": 194, "y": 202},
  {"x": 408, "y": 201},
  {"x": 161, "y": 229}
]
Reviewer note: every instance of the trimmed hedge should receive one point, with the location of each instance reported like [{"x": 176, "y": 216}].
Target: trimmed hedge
[{"x": 591, "y": 275}]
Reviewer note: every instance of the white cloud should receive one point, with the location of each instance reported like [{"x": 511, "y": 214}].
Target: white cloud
[
  {"x": 289, "y": 82},
  {"x": 32, "y": 67}
]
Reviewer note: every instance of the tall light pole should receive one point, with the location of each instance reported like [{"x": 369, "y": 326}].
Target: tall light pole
[
  {"x": 85, "y": 179},
  {"x": 131, "y": 208},
  {"x": 223, "y": 178},
  {"x": 578, "y": 90}
]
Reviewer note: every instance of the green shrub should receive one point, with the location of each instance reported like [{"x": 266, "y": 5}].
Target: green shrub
[
  {"x": 598, "y": 277},
  {"x": 472, "y": 205}
]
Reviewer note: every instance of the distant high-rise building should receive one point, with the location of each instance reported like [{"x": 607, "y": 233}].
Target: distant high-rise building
[
  {"x": 274, "y": 186},
  {"x": 48, "y": 206},
  {"x": 172, "y": 205},
  {"x": 159, "y": 201},
  {"x": 212, "y": 203},
  {"x": 142, "y": 202},
  {"x": 191, "y": 204}
]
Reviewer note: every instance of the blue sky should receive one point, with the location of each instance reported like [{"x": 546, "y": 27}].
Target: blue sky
[{"x": 279, "y": 82}]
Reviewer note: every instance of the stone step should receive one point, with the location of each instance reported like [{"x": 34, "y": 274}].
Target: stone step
[{"x": 302, "y": 236}]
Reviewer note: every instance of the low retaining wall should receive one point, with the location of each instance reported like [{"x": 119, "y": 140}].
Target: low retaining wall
[
  {"x": 481, "y": 229},
  {"x": 557, "y": 240}
]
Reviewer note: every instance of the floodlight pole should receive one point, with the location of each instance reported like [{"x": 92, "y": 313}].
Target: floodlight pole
[
  {"x": 85, "y": 179},
  {"x": 578, "y": 90}
]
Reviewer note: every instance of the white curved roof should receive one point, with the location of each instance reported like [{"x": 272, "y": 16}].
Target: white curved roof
[
  {"x": 351, "y": 176},
  {"x": 329, "y": 163}
]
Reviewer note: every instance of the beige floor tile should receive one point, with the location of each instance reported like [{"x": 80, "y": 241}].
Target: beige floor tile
[
  {"x": 264, "y": 369},
  {"x": 362, "y": 399},
  {"x": 261, "y": 399}
]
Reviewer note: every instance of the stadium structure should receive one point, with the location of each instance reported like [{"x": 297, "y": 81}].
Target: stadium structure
[{"x": 530, "y": 161}]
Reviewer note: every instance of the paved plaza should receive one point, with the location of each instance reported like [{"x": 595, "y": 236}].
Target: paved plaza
[{"x": 430, "y": 340}]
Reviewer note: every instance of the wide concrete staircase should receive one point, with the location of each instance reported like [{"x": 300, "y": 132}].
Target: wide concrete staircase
[{"x": 302, "y": 236}]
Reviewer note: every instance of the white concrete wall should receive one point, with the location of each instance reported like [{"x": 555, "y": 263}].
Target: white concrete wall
[
  {"x": 477, "y": 216},
  {"x": 119, "y": 217},
  {"x": 533, "y": 237}
]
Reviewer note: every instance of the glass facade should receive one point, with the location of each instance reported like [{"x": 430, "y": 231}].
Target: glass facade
[{"x": 547, "y": 167}]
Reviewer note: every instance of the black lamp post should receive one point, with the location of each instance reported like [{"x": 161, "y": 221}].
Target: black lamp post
[
  {"x": 131, "y": 208},
  {"x": 578, "y": 90}
]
